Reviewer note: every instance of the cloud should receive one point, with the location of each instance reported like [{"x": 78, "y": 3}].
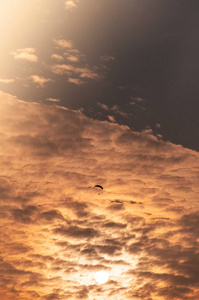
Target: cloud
[
  {"x": 39, "y": 80},
  {"x": 76, "y": 81},
  {"x": 57, "y": 231},
  {"x": 72, "y": 58},
  {"x": 118, "y": 111},
  {"x": 53, "y": 99},
  {"x": 24, "y": 215},
  {"x": 77, "y": 71},
  {"x": 137, "y": 99},
  {"x": 107, "y": 58},
  {"x": 70, "y": 70},
  {"x": 71, "y": 4},
  {"x": 25, "y": 54},
  {"x": 113, "y": 110},
  {"x": 63, "y": 43},
  {"x": 6, "y": 80},
  {"x": 57, "y": 57},
  {"x": 103, "y": 106},
  {"x": 76, "y": 232},
  {"x": 111, "y": 119}
]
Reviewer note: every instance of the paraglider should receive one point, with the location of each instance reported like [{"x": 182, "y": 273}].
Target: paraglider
[{"x": 98, "y": 186}]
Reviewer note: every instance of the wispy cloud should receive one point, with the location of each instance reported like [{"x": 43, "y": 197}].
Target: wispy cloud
[
  {"x": 77, "y": 71},
  {"x": 57, "y": 57},
  {"x": 76, "y": 81},
  {"x": 39, "y": 80},
  {"x": 6, "y": 80},
  {"x": 70, "y": 70},
  {"x": 111, "y": 118},
  {"x": 114, "y": 109},
  {"x": 107, "y": 58},
  {"x": 63, "y": 43},
  {"x": 136, "y": 100},
  {"x": 72, "y": 58},
  {"x": 53, "y": 99},
  {"x": 118, "y": 111},
  {"x": 72, "y": 54},
  {"x": 25, "y": 54},
  {"x": 103, "y": 106},
  {"x": 71, "y": 4}
]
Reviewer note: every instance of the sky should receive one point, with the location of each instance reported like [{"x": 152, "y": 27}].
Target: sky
[{"x": 96, "y": 92}]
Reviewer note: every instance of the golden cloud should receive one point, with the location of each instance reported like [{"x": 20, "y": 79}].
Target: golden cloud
[
  {"x": 39, "y": 80},
  {"x": 57, "y": 230}
]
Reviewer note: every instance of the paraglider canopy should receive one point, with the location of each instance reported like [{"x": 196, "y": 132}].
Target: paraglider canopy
[{"x": 98, "y": 186}]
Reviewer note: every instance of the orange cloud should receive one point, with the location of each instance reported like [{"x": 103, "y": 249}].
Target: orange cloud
[
  {"x": 63, "y": 43},
  {"x": 76, "y": 81},
  {"x": 57, "y": 57},
  {"x": 6, "y": 80},
  {"x": 40, "y": 80},
  {"x": 70, "y": 70},
  {"x": 53, "y": 99},
  {"x": 57, "y": 230},
  {"x": 75, "y": 73},
  {"x": 25, "y": 54},
  {"x": 73, "y": 58},
  {"x": 71, "y": 4}
]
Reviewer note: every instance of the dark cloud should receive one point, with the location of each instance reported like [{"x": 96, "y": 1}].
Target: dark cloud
[
  {"x": 78, "y": 207},
  {"x": 114, "y": 225},
  {"x": 51, "y": 215},
  {"x": 110, "y": 250},
  {"x": 24, "y": 215},
  {"x": 76, "y": 232},
  {"x": 190, "y": 224}
]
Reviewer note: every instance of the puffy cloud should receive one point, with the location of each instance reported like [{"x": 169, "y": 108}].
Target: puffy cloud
[
  {"x": 57, "y": 231},
  {"x": 25, "y": 54},
  {"x": 40, "y": 80}
]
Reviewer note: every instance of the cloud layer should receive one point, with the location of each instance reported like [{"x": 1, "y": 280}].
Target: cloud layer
[{"x": 57, "y": 230}]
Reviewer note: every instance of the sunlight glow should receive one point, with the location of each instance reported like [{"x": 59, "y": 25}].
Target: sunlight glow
[{"x": 101, "y": 277}]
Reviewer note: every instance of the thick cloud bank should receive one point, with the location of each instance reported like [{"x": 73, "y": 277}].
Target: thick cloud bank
[{"x": 57, "y": 230}]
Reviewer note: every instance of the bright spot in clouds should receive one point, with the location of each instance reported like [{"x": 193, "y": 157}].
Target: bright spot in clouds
[{"x": 101, "y": 277}]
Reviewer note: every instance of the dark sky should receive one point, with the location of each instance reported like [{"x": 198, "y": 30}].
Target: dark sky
[{"x": 154, "y": 50}]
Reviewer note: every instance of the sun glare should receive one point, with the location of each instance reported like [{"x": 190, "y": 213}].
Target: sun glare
[{"x": 101, "y": 277}]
